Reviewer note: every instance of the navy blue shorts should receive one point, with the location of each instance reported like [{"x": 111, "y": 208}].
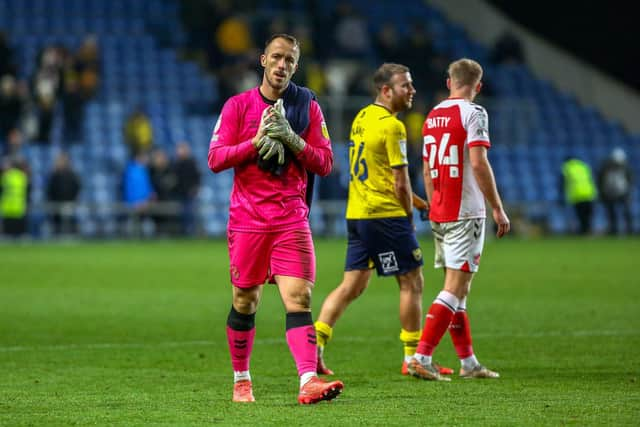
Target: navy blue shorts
[{"x": 389, "y": 244}]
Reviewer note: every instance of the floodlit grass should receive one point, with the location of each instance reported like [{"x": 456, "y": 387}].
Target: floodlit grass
[{"x": 133, "y": 334}]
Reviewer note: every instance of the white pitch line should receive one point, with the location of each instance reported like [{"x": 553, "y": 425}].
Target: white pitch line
[{"x": 273, "y": 341}]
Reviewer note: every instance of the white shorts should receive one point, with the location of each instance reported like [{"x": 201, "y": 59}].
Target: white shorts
[{"x": 459, "y": 244}]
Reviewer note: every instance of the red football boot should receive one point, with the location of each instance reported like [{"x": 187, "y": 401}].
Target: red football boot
[{"x": 317, "y": 390}]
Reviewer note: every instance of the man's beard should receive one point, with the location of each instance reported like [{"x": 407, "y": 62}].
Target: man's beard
[
  {"x": 277, "y": 85},
  {"x": 401, "y": 105}
]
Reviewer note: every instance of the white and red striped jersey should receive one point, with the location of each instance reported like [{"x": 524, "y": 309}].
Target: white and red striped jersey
[{"x": 449, "y": 130}]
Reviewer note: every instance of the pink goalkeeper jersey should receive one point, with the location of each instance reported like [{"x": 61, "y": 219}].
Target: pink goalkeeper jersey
[
  {"x": 260, "y": 201},
  {"x": 450, "y": 129}
]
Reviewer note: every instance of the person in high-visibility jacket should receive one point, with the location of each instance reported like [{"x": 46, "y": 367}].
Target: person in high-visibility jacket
[
  {"x": 579, "y": 191},
  {"x": 14, "y": 197}
]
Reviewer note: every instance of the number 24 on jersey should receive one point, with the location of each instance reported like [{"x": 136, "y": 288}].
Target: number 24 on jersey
[{"x": 438, "y": 151}]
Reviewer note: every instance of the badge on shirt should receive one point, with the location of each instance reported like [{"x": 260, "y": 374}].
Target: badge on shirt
[
  {"x": 403, "y": 149},
  {"x": 325, "y": 131},
  {"x": 482, "y": 131},
  {"x": 216, "y": 128}
]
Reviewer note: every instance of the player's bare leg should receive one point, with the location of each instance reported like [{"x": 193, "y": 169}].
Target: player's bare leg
[
  {"x": 352, "y": 286},
  {"x": 410, "y": 285}
]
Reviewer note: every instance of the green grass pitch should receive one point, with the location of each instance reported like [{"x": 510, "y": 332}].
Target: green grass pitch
[{"x": 133, "y": 334}]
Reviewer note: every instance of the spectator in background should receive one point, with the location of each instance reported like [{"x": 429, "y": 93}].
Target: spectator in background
[
  {"x": 86, "y": 66},
  {"x": 14, "y": 197},
  {"x": 615, "y": 182},
  {"x": 73, "y": 111},
  {"x": 200, "y": 18},
  {"x": 387, "y": 43},
  {"x": 233, "y": 37},
  {"x": 315, "y": 77},
  {"x": 7, "y": 65},
  {"x": 47, "y": 82},
  {"x": 579, "y": 191},
  {"x": 137, "y": 189},
  {"x": 138, "y": 132},
  {"x": 12, "y": 101},
  {"x": 272, "y": 25},
  {"x": 507, "y": 50},
  {"x": 235, "y": 61},
  {"x": 351, "y": 34},
  {"x": 187, "y": 186},
  {"x": 15, "y": 139},
  {"x": 63, "y": 188},
  {"x": 163, "y": 180},
  {"x": 428, "y": 64},
  {"x": 311, "y": 72},
  {"x": 350, "y": 49},
  {"x": 239, "y": 75}
]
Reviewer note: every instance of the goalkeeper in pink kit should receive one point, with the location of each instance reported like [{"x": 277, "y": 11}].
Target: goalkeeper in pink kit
[{"x": 275, "y": 138}]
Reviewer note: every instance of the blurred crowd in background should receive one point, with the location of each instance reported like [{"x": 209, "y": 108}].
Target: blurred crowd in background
[{"x": 339, "y": 52}]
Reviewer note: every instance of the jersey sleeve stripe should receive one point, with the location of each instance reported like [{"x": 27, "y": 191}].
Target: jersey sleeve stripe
[{"x": 479, "y": 143}]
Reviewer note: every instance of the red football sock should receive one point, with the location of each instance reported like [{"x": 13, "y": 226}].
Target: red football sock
[
  {"x": 435, "y": 325},
  {"x": 460, "y": 332}
]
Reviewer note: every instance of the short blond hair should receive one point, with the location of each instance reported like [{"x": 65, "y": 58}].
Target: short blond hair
[{"x": 465, "y": 72}]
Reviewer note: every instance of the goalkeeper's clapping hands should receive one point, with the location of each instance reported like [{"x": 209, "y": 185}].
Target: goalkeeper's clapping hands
[
  {"x": 277, "y": 126},
  {"x": 269, "y": 147}
]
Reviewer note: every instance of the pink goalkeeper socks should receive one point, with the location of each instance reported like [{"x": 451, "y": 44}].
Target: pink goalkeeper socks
[
  {"x": 240, "y": 347},
  {"x": 302, "y": 343}
]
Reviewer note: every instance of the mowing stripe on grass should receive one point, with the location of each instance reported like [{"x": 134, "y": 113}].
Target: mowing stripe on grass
[{"x": 272, "y": 341}]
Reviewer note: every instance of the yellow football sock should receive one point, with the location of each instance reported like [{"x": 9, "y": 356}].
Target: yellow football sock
[
  {"x": 410, "y": 341},
  {"x": 323, "y": 333}
]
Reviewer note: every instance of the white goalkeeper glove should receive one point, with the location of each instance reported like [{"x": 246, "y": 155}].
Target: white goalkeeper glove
[{"x": 278, "y": 127}]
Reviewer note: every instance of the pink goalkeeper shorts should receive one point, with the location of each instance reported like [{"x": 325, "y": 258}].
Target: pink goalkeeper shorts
[{"x": 257, "y": 257}]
